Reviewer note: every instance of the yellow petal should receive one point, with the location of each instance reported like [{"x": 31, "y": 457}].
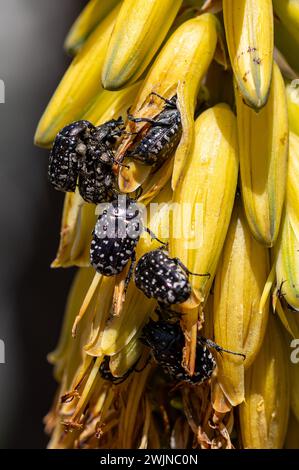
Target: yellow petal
[
  {"x": 138, "y": 33},
  {"x": 204, "y": 199},
  {"x": 249, "y": 35},
  {"x": 239, "y": 325},
  {"x": 264, "y": 414},
  {"x": 79, "y": 85},
  {"x": 263, "y": 146},
  {"x": 78, "y": 221},
  {"x": 292, "y": 92},
  {"x": 178, "y": 69},
  {"x": 94, "y": 12}
]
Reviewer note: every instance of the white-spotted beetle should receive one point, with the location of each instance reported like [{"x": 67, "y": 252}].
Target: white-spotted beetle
[
  {"x": 115, "y": 237},
  {"x": 81, "y": 149},
  {"x": 68, "y": 148},
  {"x": 166, "y": 340},
  {"x": 163, "y": 278},
  {"x": 162, "y": 137},
  {"x": 97, "y": 182}
]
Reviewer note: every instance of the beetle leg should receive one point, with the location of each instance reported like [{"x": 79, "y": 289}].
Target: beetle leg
[
  {"x": 131, "y": 270},
  {"x": 116, "y": 133},
  {"x": 211, "y": 344},
  {"x": 169, "y": 102},
  {"x": 161, "y": 123},
  {"x": 153, "y": 236},
  {"x": 184, "y": 268},
  {"x": 136, "y": 119},
  {"x": 116, "y": 162},
  {"x": 281, "y": 294},
  {"x": 121, "y": 164}
]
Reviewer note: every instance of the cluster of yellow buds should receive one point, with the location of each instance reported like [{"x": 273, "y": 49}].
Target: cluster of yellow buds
[{"x": 226, "y": 202}]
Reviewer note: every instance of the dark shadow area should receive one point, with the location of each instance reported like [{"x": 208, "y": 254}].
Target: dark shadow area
[{"x": 32, "y": 296}]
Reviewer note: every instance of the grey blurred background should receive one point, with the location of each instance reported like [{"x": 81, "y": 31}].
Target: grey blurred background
[{"x": 32, "y": 296}]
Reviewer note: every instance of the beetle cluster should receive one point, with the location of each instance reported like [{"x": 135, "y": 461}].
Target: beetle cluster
[
  {"x": 83, "y": 155},
  {"x": 110, "y": 252},
  {"x": 166, "y": 341},
  {"x": 115, "y": 237},
  {"x": 113, "y": 245},
  {"x": 85, "y": 152}
]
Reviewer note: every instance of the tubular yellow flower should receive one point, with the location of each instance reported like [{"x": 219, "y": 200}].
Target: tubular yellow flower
[
  {"x": 178, "y": 69},
  {"x": 79, "y": 85},
  {"x": 288, "y": 44},
  {"x": 249, "y": 35},
  {"x": 264, "y": 414},
  {"x": 94, "y": 12},
  {"x": 138, "y": 33},
  {"x": 121, "y": 362},
  {"x": 110, "y": 105},
  {"x": 287, "y": 248},
  {"x": 60, "y": 356},
  {"x": 289, "y": 320},
  {"x": 203, "y": 205},
  {"x": 292, "y": 195},
  {"x": 288, "y": 13},
  {"x": 263, "y": 145},
  {"x": 292, "y": 92},
  {"x": 208, "y": 189},
  {"x": 287, "y": 264},
  {"x": 77, "y": 223},
  {"x": 239, "y": 323}
]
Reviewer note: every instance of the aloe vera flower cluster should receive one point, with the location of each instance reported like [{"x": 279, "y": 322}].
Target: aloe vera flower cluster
[{"x": 189, "y": 111}]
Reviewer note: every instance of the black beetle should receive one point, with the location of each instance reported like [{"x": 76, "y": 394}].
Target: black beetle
[
  {"x": 115, "y": 237},
  {"x": 163, "y": 278},
  {"x": 162, "y": 137},
  {"x": 68, "y": 149},
  {"x": 83, "y": 150},
  {"x": 97, "y": 182},
  {"x": 166, "y": 340}
]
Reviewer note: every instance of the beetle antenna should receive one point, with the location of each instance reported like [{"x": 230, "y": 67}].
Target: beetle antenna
[
  {"x": 154, "y": 237},
  {"x": 179, "y": 262},
  {"x": 211, "y": 344},
  {"x": 164, "y": 99}
]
